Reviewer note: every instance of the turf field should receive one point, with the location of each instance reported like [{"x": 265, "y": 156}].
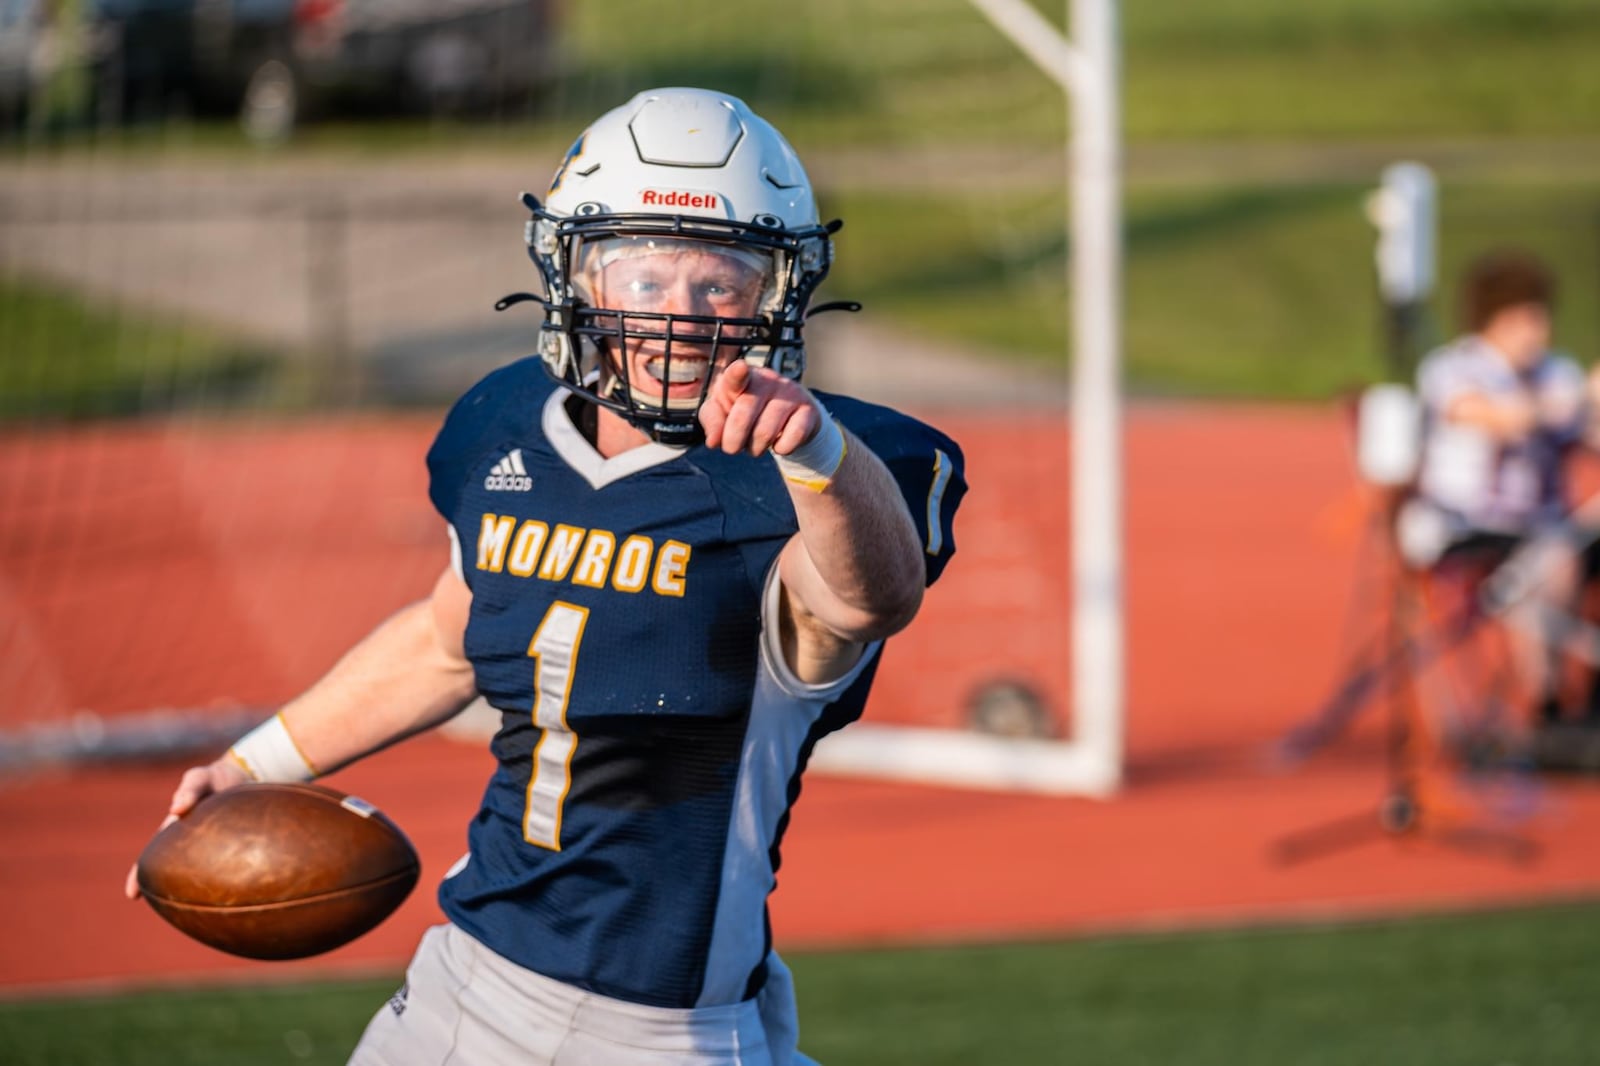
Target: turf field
[{"x": 1505, "y": 987}]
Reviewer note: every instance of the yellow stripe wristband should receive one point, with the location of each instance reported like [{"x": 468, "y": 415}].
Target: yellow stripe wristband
[{"x": 814, "y": 463}]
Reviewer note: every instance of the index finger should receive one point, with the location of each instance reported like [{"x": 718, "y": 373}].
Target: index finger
[{"x": 734, "y": 379}]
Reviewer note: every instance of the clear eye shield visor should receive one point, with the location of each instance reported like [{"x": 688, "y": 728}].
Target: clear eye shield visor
[{"x": 663, "y": 313}]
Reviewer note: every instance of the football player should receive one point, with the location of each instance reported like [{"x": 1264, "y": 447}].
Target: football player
[{"x": 673, "y": 569}]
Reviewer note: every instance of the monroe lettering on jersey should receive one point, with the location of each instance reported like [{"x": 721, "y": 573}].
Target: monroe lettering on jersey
[{"x": 591, "y": 557}]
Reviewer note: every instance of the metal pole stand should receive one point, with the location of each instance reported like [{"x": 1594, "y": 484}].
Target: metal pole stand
[{"x": 1415, "y": 803}]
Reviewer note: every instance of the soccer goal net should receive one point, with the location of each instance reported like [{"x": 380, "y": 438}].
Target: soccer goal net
[{"x": 228, "y": 342}]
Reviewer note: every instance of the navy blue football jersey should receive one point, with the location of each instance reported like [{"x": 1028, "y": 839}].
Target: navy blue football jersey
[{"x": 652, "y": 736}]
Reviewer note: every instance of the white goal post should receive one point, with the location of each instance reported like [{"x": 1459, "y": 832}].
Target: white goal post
[{"x": 1090, "y": 762}]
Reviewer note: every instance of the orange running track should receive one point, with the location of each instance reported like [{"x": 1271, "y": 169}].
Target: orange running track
[{"x": 194, "y": 565}]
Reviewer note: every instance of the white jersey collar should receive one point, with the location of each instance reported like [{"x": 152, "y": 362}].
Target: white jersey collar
[{"x": 570, "y": 443}]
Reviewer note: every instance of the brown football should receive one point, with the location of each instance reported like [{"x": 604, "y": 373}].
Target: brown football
[{"x": 278, "y": 871}]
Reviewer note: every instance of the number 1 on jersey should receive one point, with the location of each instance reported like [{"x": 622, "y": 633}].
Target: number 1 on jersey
[{"x": 554, "y": 650}]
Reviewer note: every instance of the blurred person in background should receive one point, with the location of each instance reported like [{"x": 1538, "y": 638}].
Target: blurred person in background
[
  {"x": 1501, "y": 414},
  {"x": 672, "y": 569}
]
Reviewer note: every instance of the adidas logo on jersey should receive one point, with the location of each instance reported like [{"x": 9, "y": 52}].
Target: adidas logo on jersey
[{"x": 509, "y": 475}]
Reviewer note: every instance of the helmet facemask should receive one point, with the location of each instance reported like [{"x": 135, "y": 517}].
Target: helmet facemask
[{"x": 643, "y": 310}]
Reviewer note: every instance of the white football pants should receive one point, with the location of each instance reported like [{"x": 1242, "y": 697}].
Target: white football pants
[{"x": 463, "y": 1005}]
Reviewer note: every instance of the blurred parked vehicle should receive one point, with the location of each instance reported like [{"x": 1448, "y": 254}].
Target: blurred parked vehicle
[
  {"x": 18, "y": 41},
  {"x": 275, "y": 61}
]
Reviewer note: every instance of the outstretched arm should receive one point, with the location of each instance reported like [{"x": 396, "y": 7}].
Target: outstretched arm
[
  {"x": 854, "y": 573},
  {"x": 407, "y": 675}
]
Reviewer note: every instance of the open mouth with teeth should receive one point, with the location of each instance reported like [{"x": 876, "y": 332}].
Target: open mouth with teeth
[
  {"x": 682, "y": 370},
  {"x": 679, "y": 379}
]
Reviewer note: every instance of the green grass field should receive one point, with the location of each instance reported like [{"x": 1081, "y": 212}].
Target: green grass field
[
  {"x": 1230, "y": 290},
  {"x": 885, "y": 72},
  {"x": 1513, "y": 987},
  {"x": 1234, "y": 291},
  {"x": 1260, "y": 289},
  {"x": 878, "y": 70},
  {"x": 67, "y": 356}
]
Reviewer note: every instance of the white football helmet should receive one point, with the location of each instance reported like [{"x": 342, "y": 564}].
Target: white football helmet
[{"x": 675, "y": 179}]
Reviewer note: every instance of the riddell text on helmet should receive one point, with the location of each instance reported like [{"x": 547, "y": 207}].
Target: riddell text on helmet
[{"x": 678, "y": 198}]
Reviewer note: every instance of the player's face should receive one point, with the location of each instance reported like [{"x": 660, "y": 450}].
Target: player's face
[
  {"x": 1522, "y": 332},
  {"x": 680, "y": 278}
]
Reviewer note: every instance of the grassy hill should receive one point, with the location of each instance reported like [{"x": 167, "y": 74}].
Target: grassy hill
[
  {"x": 1255, "y": 129},
  {"x": 884, "y": 70}
]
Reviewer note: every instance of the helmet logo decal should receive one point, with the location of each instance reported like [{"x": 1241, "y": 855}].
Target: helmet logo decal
[
  {"x": 572, "y": 153},
  {"x": 679, "y": 198}
]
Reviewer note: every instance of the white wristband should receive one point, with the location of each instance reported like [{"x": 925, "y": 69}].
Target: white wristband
[
  {"x": 269, "y": 753},
  {"x": 814, "y": 463}
]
